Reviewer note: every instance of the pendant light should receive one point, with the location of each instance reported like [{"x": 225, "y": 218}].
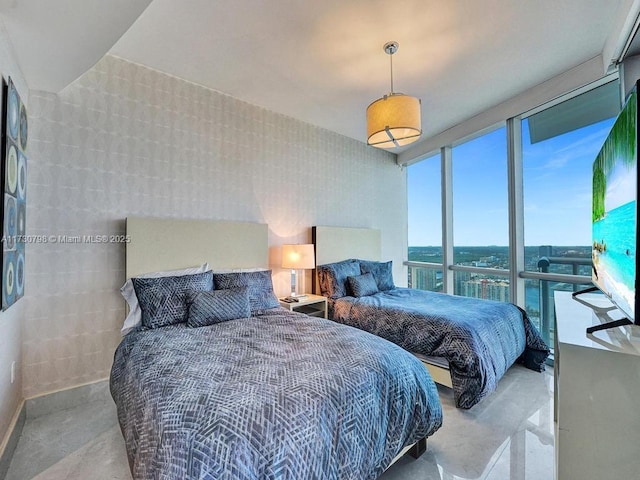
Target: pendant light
[{"x": 393, "y": 120}]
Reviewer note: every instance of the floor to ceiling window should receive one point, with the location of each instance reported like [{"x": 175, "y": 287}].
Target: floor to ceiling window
[
  {"x": 559, "y": 146},
  {"x": 481, "y": 216},
  {"x": 425, "y": 224}
]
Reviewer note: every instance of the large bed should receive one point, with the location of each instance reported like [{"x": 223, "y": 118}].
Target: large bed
[
  {"x": 267, "y": 394},
  {"x": 466, "y": 343}
]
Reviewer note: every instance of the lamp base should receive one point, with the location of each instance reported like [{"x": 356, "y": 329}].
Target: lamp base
[{"x": 294, "y": 286}]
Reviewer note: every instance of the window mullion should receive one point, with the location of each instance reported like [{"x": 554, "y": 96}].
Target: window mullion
[
  {"x": 516, "y": 211},
  {"x": 447, "y": 219}
]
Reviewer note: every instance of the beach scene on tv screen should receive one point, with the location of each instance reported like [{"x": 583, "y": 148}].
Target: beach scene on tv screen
[{"x": 614, "y": 212}]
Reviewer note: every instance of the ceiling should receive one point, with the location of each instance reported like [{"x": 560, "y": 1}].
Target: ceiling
[
  {"x": 322, "y": 62},
  {"x": 57, "y": 41}
]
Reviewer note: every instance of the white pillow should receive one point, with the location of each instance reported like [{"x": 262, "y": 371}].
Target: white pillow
[{"x": 128, "y": 292}]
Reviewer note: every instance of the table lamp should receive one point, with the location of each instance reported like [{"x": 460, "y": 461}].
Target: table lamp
[{"x": 297, "y": 257}]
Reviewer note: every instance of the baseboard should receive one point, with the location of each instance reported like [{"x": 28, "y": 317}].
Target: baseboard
[
  {"x": 68, "y": 398},
  {"x": 10, "y": 441},
  {"x": 44, "y": 404}
]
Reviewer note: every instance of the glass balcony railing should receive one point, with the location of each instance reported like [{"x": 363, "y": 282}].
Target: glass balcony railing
[
  {"x": 482, "y": 285},
  {"x": 425, "y": 276},
  {"x": 554, "y": 273},
  {"x": 539, "y": 303},
  {"x": 541, "y": 285},
  {"x": 490, "y": 284}
]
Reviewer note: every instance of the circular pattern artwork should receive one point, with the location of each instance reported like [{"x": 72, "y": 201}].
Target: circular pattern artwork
[
  {"x": 19, "y": 274},
  {"x": 12, "y": 169},
  {"x": 9, "y": 278},
  {"x": 15, "y": 197},
  {"x": 10, "y": 223},
  {"x": 13, "y": 111},
  {"x": 22, "y": 215},
  {"x": 23, "y": 127},
  {"x": 22, "y": 177}
]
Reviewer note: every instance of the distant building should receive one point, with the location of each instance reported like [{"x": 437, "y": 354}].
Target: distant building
[
  {"x": 425, "y": 279},
  {"x": 485, "y": 288}
]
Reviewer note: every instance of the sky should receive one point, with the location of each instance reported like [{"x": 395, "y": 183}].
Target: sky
[
  {"x": 557, "y": 190},
  {"x": 621, "y": 186}
]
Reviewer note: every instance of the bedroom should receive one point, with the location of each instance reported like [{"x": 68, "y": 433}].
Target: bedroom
[{"x": 128, "y": 140}]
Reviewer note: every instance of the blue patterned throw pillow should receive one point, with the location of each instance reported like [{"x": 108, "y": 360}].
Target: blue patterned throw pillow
[
  {"x": 208, "y": 308},
  {"x": 259, "y": 287},
  {"x": 363, "y": 285},
  {"x": 163, "y": 300},
  {"x": 382, "y": 272},
  {"x": 332, "y": 277}
]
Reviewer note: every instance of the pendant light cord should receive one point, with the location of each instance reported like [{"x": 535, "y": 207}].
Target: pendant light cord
[{"x": 391, "y": 63}]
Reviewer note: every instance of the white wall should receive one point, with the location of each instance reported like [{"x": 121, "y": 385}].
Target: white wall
[
  {"x": 10, "y": 351},
  {"x": 126, "y": 140},
  {"x": 10, "y": 320}
]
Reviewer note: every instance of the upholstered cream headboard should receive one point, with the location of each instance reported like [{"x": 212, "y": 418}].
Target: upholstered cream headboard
[
  {"x": 167, "y": 244},
  {"x": 334, "y": 244}
]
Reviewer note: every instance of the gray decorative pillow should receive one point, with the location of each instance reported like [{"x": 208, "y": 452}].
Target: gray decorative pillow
[
  {"x": 332, "y": 277},
  {"x": 363, "y": 285},
  {"x": 259, "y": 287},
  {"x": 382, "y": 272},
  {"x": 163, "y": 300},
  {"x": 208, "y": 308}
]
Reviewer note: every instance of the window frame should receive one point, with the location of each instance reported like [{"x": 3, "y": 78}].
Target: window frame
[{"x": 516, "y": 273}]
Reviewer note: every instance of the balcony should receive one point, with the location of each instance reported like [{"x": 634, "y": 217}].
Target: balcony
[{"x": 545, "y": 274}]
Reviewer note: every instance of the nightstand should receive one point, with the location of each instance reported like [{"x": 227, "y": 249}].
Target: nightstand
[{"x": 313, "y": 305}]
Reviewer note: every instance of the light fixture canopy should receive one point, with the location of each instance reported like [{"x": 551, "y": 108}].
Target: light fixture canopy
[{"x": 395, "y": 119}]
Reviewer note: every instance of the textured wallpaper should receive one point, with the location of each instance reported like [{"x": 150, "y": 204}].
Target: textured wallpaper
[
  {"x": 11, "y": 319},
  {"x": 127, "y": 140}
]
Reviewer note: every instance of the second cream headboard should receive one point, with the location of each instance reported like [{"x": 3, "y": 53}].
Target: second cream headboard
[{"x": 334, "y": 244}]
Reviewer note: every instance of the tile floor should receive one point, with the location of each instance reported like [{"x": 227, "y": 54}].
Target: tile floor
[{"x": 508, "y": 436}]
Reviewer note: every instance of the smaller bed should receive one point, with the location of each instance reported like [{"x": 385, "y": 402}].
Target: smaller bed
[{"x": 472, "y": 341}]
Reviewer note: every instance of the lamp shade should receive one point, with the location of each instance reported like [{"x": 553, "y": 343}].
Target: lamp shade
[
  {"x": 298, "y": 256},
  {"x": 394, "y": 121}
]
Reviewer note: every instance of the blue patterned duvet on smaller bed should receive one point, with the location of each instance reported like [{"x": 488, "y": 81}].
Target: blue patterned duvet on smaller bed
[
  {"x": 480, "y": 339},
  {"x": 276, "y": 396}
]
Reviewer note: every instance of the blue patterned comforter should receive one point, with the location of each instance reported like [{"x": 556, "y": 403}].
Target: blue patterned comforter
[
  {"x": 481, "y": 339},
  {"x": 279, "y": 395}
]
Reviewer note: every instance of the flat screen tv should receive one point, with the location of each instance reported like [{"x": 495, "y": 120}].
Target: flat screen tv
[{"x": 615, "y": 215}]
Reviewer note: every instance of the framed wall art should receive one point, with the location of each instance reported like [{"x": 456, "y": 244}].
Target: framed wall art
[{"x": 14, "y": 181}]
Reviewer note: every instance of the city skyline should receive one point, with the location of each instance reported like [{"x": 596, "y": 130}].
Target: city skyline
[
  {"x": 557, "y": 190},
  {"x": 493, "y": 256}
]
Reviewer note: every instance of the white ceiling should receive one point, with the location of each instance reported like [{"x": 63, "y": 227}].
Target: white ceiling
[
  {"x": 56, "y": 41},
  {"x": 322, "y": 61}
]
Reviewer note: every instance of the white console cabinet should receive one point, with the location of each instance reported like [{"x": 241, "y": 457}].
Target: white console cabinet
[{"x": 597, "y": 392}]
